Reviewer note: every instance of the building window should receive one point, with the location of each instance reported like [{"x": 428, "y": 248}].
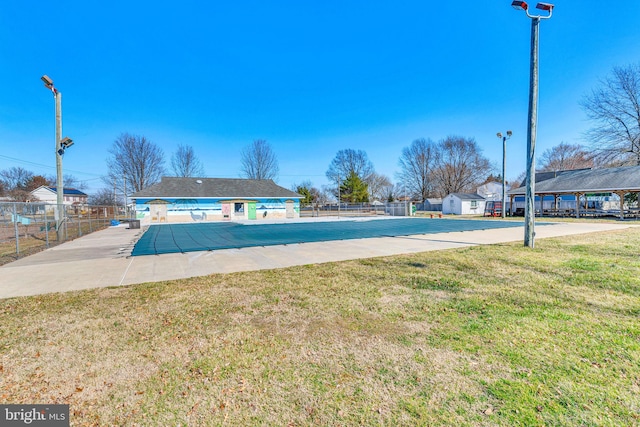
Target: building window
[
  {"x": 238, "y": 208},
  {"x": 474, "y": 204}
]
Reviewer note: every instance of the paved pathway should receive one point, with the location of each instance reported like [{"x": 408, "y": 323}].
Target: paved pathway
[{"x": 102, "y": 258}]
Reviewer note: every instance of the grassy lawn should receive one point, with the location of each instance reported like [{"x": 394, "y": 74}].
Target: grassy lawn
[{"x": 492, "y": 335}]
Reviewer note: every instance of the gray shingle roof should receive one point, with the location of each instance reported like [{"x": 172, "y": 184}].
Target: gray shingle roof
[
  {"x": 467, "y": 196},
  {"x": 625, "y": 178},
  {"x": 543, "y": 176},
  {"x": 170, "y": 187}
]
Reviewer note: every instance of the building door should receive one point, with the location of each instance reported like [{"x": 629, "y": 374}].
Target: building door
[
  {"x": 252, "y": 210},
  {"x": 289, "y": 209},
  {"x": 226, "y": 211}
]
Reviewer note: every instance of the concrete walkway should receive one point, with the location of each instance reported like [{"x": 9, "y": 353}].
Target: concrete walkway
[{"x": 102, "y": 259}]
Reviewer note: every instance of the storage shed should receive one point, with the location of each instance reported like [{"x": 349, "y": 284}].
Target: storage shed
[{"x": 463, "y": 204}]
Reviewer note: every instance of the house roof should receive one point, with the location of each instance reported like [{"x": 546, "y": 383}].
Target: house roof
[
  {"x": 543, "y": 176},
  {"x": 65, "y": 191},
  {"x": 467, "y": 196},
  {"x": 171, "y": 187},
  {"x": 626, "y": 178}
]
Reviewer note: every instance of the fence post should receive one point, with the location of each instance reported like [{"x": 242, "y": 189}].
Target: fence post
[
  {"x": 46, "y": 226},
  {"x": 15, "y": 226}
]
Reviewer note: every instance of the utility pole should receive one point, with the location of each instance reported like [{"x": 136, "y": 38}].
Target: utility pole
[
  {"x": 529, "y": 207},
  {"x": 59, "y": 180},
  {"x": 59, "y": 150}
]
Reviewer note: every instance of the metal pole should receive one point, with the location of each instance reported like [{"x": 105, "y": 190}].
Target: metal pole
[
  {"x": 115, "y": 199},
  {"x": 59, "y": 184},
  {"x": 504, "y": 182},
  {"x": 404, "y": 189},
  {"x": 125, "y": 198},
  {"x": 529, "y": 207},
  {"x": 339, "y": 196}
]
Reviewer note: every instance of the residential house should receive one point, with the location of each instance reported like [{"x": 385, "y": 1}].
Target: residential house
[{"x": 49, "y": 195}]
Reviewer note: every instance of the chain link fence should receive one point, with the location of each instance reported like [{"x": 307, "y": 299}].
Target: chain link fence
[
  {"x": 358, "y": 209},
  {"x": 27, "y": 228}
]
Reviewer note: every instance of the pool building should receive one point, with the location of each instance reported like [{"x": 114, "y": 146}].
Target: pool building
[{"x": 215, "y": 199}]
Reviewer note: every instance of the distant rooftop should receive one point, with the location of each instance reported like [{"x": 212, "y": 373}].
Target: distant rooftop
[
  {"x": 172, "y": 187},
  {"x": 69, "y": 191}
]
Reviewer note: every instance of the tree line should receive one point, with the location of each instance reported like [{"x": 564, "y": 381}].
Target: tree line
[{"x": 426, "y": 168}]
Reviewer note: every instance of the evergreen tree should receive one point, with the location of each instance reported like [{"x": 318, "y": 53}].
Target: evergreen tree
[{"x": 354, "y": 189}]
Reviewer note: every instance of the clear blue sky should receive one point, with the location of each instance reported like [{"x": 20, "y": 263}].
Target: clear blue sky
[{"x": 309, "y": 77}]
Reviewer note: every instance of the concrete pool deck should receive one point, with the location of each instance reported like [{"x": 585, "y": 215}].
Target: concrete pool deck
[{"x": 101, "y": 259}]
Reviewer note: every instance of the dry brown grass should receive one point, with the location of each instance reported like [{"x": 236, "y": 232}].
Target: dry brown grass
[{"x": 454, "y": 337}]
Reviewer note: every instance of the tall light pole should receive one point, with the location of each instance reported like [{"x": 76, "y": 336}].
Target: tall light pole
[
  {"x": 504, "y": 169},
  {"x": 61, "y": 145},
  {"x": 529, "y": 207}
]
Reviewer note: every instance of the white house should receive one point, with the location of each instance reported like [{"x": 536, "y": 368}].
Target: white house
[
  {"x": 70, "y": 196},
  {"x": 490, "y": 191},
  {"x": 463, "y": 204}
]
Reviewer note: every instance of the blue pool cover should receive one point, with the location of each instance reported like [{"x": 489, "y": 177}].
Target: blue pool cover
[{"x": 172, "y": 238}]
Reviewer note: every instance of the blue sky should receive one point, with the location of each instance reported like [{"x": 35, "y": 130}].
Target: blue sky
[{"x": 310, "y": 77}]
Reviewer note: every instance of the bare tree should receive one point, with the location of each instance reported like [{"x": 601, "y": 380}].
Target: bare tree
[
  {"x": 416, "y": 168},
  {"x": 459, "y": 165},
  {"x": 379, "y": 186},
  {"x": 103, "y": 197},
  {"x": 68, "y": 181},
  {"x": 614, "y": 107},
  {"x": 135, "y": 162},
  {"x": 565, "y": 157},
  {"x": 15, "y": 178},
  {"x": 259, "y": 161},
  {"x": 347, "y": 161},
  {"x": 185, "y": 163}
]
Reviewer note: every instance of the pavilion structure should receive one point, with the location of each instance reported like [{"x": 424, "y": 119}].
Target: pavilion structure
[{"x": 581, "y": 183}]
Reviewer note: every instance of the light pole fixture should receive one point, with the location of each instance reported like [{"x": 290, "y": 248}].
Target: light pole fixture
[
  {"x": 504, "y": 169},
  {"x": 64, "y": 144},
  {"x": 529, "y": 207},
  {"x": 57, "y": 95}
]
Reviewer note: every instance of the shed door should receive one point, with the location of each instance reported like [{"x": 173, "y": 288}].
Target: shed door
[{"x": 252, "y": 210}]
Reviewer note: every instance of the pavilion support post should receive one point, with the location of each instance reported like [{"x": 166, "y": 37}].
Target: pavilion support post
[
  {"x": 621, "y": 195},
  {"x": 578, "y": 195},
  {"x": 511, "y": 197}
]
